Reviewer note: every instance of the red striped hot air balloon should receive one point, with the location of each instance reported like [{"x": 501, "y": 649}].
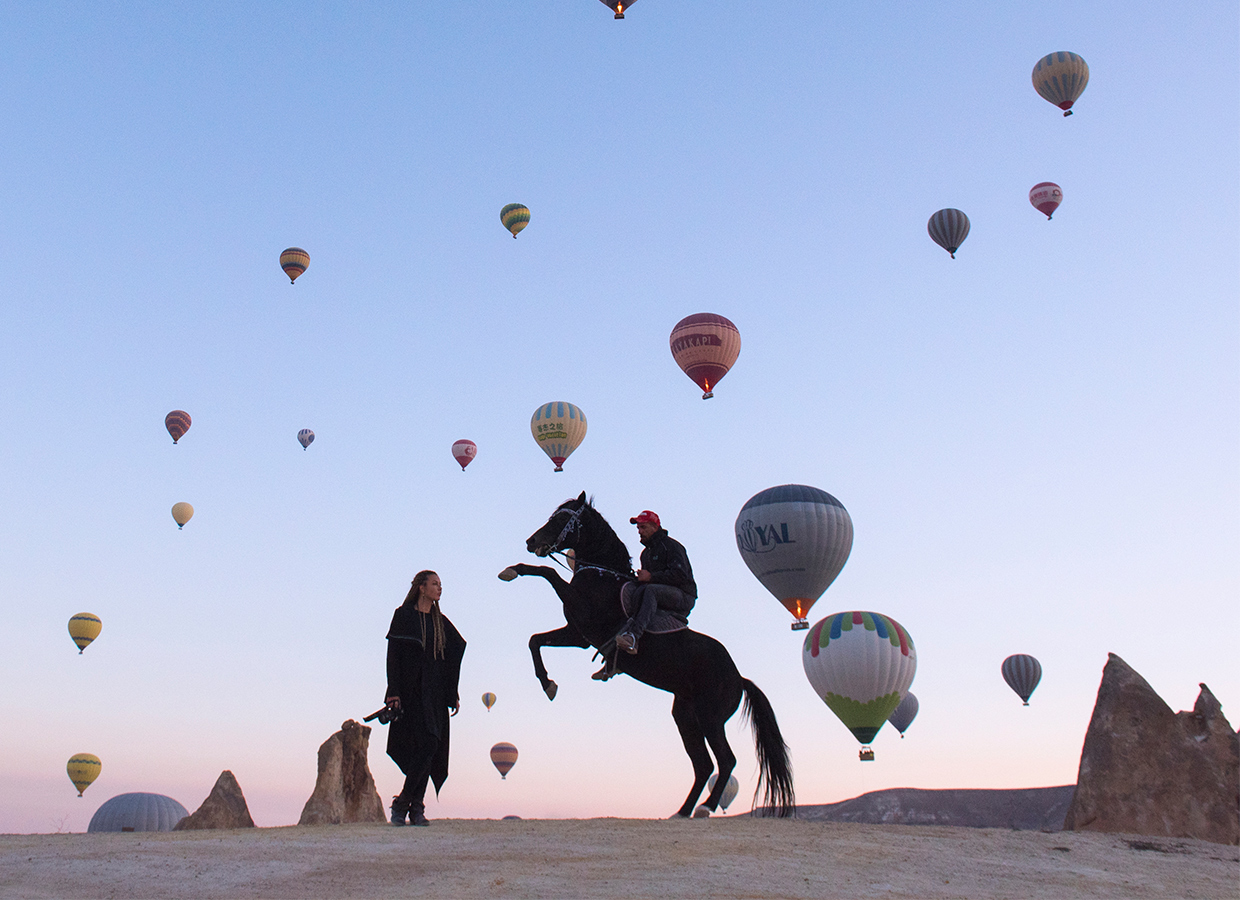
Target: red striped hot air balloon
[
  {"x": 294, "y": 262},
  {"x": 706, "y": 346},
  {"x": 1046, "y": 197},
  {"x": 464, "y": 451},
  {"x": 177, "y": 424},
  {"x": 503, "y": 755}
]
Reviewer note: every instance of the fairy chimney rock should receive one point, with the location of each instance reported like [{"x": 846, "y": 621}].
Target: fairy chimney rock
[
  {"x": 225, "y": 807},
  {"x": 1148, "y": 770},
  {"x": 345, "y": 791}
]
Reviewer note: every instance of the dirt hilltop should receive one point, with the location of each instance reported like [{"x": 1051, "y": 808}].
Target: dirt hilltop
[{"x": 720, "y": 857}]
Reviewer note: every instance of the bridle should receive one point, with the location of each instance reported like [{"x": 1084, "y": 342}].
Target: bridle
[{"x": 573, "y": 526}]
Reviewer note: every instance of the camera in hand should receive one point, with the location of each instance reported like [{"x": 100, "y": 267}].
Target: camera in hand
[{"x": 385, "y": 716}]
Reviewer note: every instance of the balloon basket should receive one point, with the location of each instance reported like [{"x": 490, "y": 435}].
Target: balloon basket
[
  {"x": 707, "y": 396},
  {"x": 866, "y": 755},
  {"x": 800, "y": 625}
]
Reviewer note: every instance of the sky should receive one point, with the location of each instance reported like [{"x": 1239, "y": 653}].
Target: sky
[{"x": 1037, "y": 442}]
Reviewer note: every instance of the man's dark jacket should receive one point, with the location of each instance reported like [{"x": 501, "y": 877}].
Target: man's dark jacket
[{"x": 667, "y": 562}]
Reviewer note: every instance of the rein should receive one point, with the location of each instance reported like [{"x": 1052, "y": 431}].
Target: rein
[{"x": 575, "y": 521}]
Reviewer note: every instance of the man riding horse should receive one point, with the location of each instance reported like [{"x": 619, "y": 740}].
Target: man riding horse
[{"x": 664, "y": 582}]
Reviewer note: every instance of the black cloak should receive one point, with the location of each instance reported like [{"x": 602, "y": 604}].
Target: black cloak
[{"x": 426, "y": 687}]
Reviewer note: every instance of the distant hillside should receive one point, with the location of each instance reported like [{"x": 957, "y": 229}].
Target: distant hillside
[{"x": 1023, "y": 809}]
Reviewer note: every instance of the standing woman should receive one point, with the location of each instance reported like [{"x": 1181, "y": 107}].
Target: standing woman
[{"x": 423, "y": 656}]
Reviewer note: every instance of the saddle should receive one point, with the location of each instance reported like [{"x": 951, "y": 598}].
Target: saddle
[{"x": 663, "y": 622}]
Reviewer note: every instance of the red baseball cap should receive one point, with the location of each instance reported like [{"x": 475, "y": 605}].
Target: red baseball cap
[{"x": 646, "y": 516}]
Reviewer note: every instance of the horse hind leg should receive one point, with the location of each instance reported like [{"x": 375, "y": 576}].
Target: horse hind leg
[
  {"x": 696, "y": 748},
  {"x": 725, "y": 762}
]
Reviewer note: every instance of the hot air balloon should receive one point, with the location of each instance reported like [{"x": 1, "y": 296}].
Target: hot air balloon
[
  {"x": 558, "y": 428},
  {"x": 705, "y": 345},
  {"x": 182, "y": 513},
  {"x": 83, "y": 768},
  {"x": 795, "y": 539},
  {"x": 138, "y": 811},
  {"x": 294, "y": 262},
  {"x": 1022, "y": 672},
  {"x": 464, "y": 451},
  {"x": 503, "y": 755},
  {"x": 618, "y": 6},
  {"x": 305, "y": 437},
  {"x": 861, "y": 664},
  {"x": 1046, "y": 197},
  {"x": 177, "y": 423},
  {"x": 905, "y": 712},
  {"x": 488, "y": 700},
  {"x": 83, "y": 629},
  {"x": 1060, "y": 78},
  {"x": 949, "y": 228},
  {"x": 515, "y": 216},
  {"x": 728, "y": 794}
]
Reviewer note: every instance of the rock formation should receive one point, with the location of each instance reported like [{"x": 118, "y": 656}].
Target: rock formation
[
  {"x": 345, "y": 791},
  {"x": 225, "y": 807},
  {"x": 1148, "y": 770}
]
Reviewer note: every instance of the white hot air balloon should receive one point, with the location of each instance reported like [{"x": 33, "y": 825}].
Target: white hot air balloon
[
  {"x": 728, "y": 794},
  {"x": 795, "y": 539},
  {"x": 861, "y": 665}
]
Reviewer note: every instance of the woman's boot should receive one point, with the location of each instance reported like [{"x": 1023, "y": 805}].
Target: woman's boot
[
  {"x": 399, "y": 809},
  {"x": 416, "y": 814}
]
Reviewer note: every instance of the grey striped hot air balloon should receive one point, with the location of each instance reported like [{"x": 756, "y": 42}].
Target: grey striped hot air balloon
[
  {"x": 949, "y": 228},
  {"x": 138, "y": 812},
  {"x": 1022, "y": 672},
  {"x": 795, "y": 539},
  {"x": 905, "y": 712}
]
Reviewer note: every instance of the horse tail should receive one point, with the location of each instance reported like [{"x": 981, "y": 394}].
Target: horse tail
[{"x": 776, "y": 780}]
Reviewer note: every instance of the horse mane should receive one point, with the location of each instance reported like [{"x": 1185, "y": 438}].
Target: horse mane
[{"x": 610, "y": 550}]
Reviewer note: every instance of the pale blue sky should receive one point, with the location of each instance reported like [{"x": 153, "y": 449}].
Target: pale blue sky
[{"x": 1037, "y": 442}]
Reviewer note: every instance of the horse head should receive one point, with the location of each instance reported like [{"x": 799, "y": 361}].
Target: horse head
[{"x": 560, "y": 530}]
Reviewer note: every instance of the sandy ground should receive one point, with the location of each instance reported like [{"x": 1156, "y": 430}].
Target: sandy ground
[{"x": 615, "y": 858}]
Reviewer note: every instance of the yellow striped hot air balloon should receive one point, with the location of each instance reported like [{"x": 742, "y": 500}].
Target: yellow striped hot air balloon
[
  {"x": 83, "y": 629},
  {"x": 558, "y": 428},
  {"x": 294, "y": 262},
  {"x": 83, "y": 768},
  {"x": 515, "y": 216},
  {"x": 1060, "y": 78},
  {"x": 503, "y": 755},
  {"x": 488, "y": 700}
]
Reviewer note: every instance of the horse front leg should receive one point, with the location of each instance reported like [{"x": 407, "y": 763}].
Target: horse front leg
[
  {"x": 558, "y": 584},
  {"x": 567, "y": 636}
]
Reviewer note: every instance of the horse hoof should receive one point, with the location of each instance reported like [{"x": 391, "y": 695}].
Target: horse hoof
[
  {"x": 701, "y": 812},
  {"x": 550, "y": 690},
  {"x": 508, "y": 574}
]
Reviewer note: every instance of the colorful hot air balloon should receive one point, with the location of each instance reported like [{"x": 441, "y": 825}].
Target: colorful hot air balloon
[
  {"x": 83, "y": 629},
  {"x": 177, "y": 423},
  {"x": 182, "y": 513},
  {"x": 558, "y": 428},
  {"x": 294, "y": 262},
  {"x": 515, "y": 216},
  {"x": 618, "y": 6},
  {"x": 1046, "y": 197},
  {"x": 1022, "y": 672},
  {"x": 488, "y": 700},
  {"x": 905, "y": 712},
  {"x": 949, "y": 228},
  {"x": 503, "y": 755},
  {"x": 705, "y": 345},
  {"x": 305, "y": 437},
  {"x": 1060, "y": 78},
  {"x": 728, "y": 794},
  {"x": 861, "y": 664},
  {"x": 83, "y": 768},
  {"x": 464, "y": 452},
  {"x": 795, "y": 539}
]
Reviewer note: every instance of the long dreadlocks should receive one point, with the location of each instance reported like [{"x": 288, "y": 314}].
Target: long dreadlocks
[{"x": 440, "y": 635}]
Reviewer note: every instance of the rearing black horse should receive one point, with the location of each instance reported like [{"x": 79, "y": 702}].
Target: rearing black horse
[{"x": 696, "y": 669}]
